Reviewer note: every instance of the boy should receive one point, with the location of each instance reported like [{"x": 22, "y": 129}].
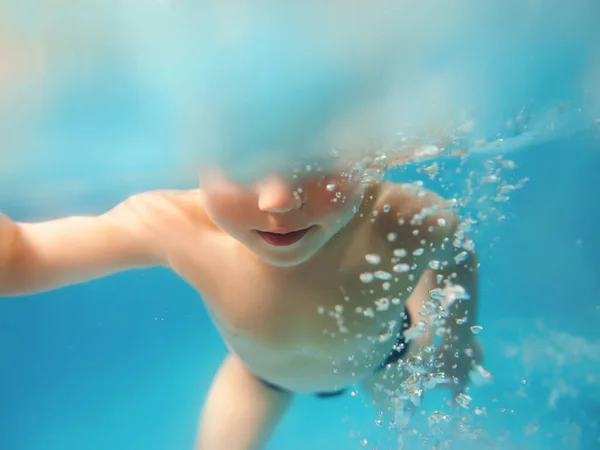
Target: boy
[{"x": 315, "y": 280}]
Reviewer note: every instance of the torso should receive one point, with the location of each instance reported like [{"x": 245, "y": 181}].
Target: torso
[{"x": 313, "y": 328}]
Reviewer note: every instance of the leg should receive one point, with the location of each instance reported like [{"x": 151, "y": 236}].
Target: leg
[{"x": 240, "y": 412}]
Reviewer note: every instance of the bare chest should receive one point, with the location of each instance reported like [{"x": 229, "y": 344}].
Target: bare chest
[
  {"x": 313, "y": 329},
  {"x": 325, "y": 306}
]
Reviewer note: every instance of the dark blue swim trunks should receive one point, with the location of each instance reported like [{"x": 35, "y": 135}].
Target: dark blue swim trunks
[{"x": 396, "y": 354}]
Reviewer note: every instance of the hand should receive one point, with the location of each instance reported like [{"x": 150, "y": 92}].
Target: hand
[{"x": 6, "y": 238}]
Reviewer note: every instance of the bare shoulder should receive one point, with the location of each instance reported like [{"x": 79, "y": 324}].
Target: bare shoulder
[
  {"x": 409, "y": 209},
  {"x": 171, "y": 208}
]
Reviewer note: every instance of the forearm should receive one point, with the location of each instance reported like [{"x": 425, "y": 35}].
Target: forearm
[{"x": 38, "y": 257}]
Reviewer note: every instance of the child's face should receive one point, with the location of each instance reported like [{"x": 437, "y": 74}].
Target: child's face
[{"x": 284, "y": 218}]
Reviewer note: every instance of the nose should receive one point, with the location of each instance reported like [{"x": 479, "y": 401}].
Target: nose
[{"x": 276, "y": 195}]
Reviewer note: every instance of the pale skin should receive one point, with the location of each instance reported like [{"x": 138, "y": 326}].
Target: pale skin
[{"x": 288, "y": 314}]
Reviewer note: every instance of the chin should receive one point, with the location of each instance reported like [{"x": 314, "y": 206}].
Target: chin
[
  {"x": 292, "y": 259},
  {"x": 288, "y": 260}
]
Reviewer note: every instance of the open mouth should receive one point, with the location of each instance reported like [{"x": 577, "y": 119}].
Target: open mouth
[{"x": 283, "y": 239}]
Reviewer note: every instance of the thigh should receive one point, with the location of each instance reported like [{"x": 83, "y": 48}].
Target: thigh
[{"x": 240, "y": 411}]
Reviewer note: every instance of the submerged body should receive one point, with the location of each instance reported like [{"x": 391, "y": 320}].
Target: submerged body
[
  {"x": 307, "y": 301},
  {"x": 278, "y": 320}
]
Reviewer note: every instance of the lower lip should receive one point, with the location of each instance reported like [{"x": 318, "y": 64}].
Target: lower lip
[{"x": 283, "y": 240}]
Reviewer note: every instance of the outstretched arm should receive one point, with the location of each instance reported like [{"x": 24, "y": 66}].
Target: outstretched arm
[{"x": 37, "y": 257}]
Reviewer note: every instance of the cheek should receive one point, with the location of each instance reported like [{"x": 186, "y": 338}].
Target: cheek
[{"x": 230, "y": 209}]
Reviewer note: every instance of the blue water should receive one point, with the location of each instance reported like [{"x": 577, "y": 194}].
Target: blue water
[{"x": 125, "y": 362}]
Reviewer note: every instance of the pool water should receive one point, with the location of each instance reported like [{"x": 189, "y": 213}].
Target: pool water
[{"x": 125, "y": 362}]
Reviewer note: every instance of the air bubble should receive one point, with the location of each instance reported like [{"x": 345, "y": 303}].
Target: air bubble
[
  {"x": 442, "y": 222},
  {"x": 418, "y": 329},
  {"x": 506, "y": 189},
  {"x": 368, "y": 312},
  {"x": 448, "y": 295},
  {"x": 417, "y": 220},
  {"x": 491, "y": 179},
  {"x": 321, "y": 310},
  {"x": 469, "y": 245},
  {"x": 438, "y": 417},
  {"x": 437, "y": 294},
  {"x": 382, "y": 304},
  {"x": 418, "y": 252},
  {"x": 354, "y": 393},
  {"x": 508, "y": 164},
  {"x": 461, "y": 257},
  {"x": 463, "y": 401},
  {"x": 373, "y": 258},
  {"x": 476, "y": 329},
  {"x": 387, "y": 208},
  {"x": 432, "y": 380},
  {"x": 401, "y": 268},
  {"x": 430, "y": 307},
  {"x": 435, "y": 265},
  {"x": 331, "y": 187},
  {"x": 400, "y": 253},
  {"x": 432, "y": 169},
  {"x": 384, "y": 337},
  {"x": 391, "y": 237},
  {"x": 480, "y": 411},
  {"x": 382, "y": 275},
  {"x": 366, "y": 277}
]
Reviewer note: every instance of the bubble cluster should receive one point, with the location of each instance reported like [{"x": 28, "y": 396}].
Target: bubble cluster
[{"x": 478, "y": 195}]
